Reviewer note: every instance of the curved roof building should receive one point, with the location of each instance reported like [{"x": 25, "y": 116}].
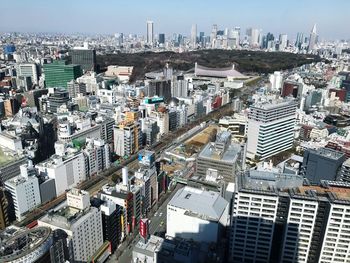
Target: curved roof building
[
  {"x": 17, "y": 245},
  {"x": 217, "y": 72}
]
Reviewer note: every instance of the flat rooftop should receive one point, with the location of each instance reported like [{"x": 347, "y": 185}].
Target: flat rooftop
[
  {"x": 229, "y": 156},
  {"x": 207, "y": 205},
  {"x": 327, "y": 152}
]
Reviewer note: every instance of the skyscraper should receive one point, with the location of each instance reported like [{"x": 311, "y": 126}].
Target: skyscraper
[
  {"x": 299, "y": 41},
  {"x": 270, "y": 127},
  {"x": 312, "y": 40},
  {"x": 213, "y": 34},
  {"x": 84, "y": 57},
  {"x": 283, "y": 42},
  {"x": 161, "y": 38},
  {"x": 194, "y": 35},
  {"x": 150, "y": 33}
]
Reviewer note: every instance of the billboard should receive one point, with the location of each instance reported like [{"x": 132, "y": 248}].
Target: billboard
[{"x": 144, "y": 228}]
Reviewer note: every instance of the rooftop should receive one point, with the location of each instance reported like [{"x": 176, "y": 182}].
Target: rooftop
[
  {"x": 229, "y": 156},
  {"x": 207, "y": 205},
  {"x": 327, "y": 152},
  {"x": 17, "y": 243}
]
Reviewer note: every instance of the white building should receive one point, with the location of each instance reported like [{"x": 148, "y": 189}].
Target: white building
[
  {"x": 150, "y": 34},
  {"x": 98, "y": 154},
  {"x": 28, "y": 70},
  {"x": 276, "y": 81},
  {"x": 24, "y": 190},
  {"x": 68, "y": 171},
  {"x": 203, "y": 215},
  {"x": 271, "y": 124},
  {"x": 302, "y": 216},
  {"x": 82, "y": 223}
]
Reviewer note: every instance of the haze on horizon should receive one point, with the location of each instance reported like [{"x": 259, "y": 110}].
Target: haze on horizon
[{"x": 110, "y": 16}]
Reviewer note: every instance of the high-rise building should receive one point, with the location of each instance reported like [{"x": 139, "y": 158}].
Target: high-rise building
[
  {"x": 59, "y": 73},
  {"x": 312, "y": 39},
  {"x": 28, "y": 70},
  {"x": 84, "y": 57},
  {"x": 75, "y": 88},
  {"x": 111, "y": 221},
  {"x": 322, "y": 164},
  {"x": 253, "y": 36},
  {"x": 270, "y": 127},
  {"x": 299, "y": 41},
  {"x": 150, "y": 33},
  {"x": 127, "y": 138},
  {"x": 278, "y": 219},
  {"x": 276, "y": 81},
  {"x": 283, "y": 41},
  {"x": 57, "y": 99},
  {"x": 24, "y": 191},
  {"x": 81, "y": 222},
  {"x": 213, "y": 35},
  {"x": 161, "y": 38},
  {"x": 223, "y": 156},
  {"x": 194, "y": 36},
  {"x": 98, "y": 155},
  {"x": 67, "y": 169}
]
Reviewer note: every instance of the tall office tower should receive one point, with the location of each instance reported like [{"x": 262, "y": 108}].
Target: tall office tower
[
  {"x": 276, "y": 81},
  {"x": 253, "y": 37},
  {"x": 322, "y": 164},
  {"x": 150, "y": 35},
  {"x": 270, "y": 127},
  {"x": 233, "y": 38},
  {"x": 278, "y": 219},
  {"x": 75, "y": 88},
  {"x": 84, "y": 57},
  {"x": 28, "y": 70},
  {"x": 179, "y": 87},
  {"x": 223, "y": 156},
  {"x": 81, "y": 222},
  {"x": 119, "y": 39},
  {"x": 161, "y": 38},
  {"x": 150, "y": 131},
  {"x": 312, "y": 39},
  {"x": 194, "y": 36},
  {"x": 283, "y": 42},
  {"x": 161, "y": 88},
  {"x": 127, "y": 138},
  {"x": 24, "y": 190},
  {"x": 299, "y": 41},
  {"x": 201, "y": 38},
  {"x": 59, "y": 73},
  {"x": 213, "y": 34}
]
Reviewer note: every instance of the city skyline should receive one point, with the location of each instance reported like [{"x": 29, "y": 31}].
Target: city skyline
[{"x": 278, "y": 17}]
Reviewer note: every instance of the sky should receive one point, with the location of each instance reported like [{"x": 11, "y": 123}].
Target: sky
[{"x": 129, "y": 16}]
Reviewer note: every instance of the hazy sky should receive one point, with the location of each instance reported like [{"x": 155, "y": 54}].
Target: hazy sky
[{"x": 169, "y": 16}]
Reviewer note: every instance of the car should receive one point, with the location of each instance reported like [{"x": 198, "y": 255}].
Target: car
[{"x": 160, "y": 214}]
